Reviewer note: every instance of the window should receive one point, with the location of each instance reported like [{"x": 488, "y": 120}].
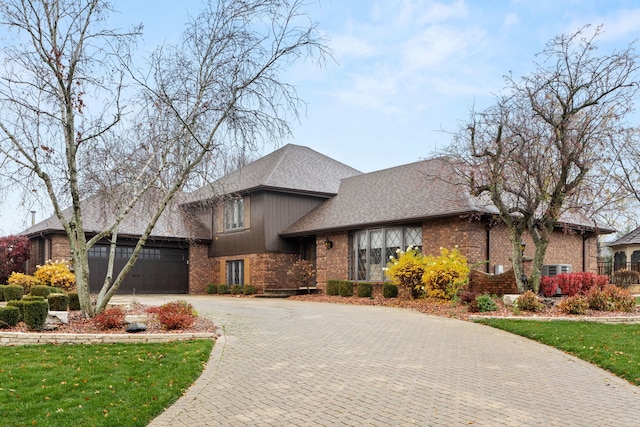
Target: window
[
  {"x": 235, "y": 272},
  {"x": 369, "y": 246},
  {"x": 234, "y": 214}
]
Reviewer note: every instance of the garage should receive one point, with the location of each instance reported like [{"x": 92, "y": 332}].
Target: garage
[{"x": 159, "y": 270}]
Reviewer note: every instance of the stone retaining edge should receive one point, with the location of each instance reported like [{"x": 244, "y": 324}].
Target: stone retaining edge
[
  {"x": 8, "y": 339},
  {"x": 618, "y": 319}
]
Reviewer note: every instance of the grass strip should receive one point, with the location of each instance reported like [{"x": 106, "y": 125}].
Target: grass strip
[
  {"x": 614, "y": 347},
  {"x": 96, "y": 385}
]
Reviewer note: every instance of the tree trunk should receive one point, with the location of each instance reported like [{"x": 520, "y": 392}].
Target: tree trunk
[{"x": 515, "y": 235}]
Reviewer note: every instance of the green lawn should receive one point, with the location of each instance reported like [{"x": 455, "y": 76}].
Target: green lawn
[
  {"x": 613, "y": 347},
  {"x": 95, "y": 385}
]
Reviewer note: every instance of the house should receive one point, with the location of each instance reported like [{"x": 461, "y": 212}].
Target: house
[
  {"x": 626, "y": 252},
  {"x": 252, "y": 224}
]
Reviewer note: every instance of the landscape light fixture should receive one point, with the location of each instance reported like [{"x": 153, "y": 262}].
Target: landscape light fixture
[{"x": 328, "y": 243}]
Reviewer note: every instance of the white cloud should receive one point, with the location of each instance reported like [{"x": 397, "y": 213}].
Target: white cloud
[{"x": 510, "y": 20}]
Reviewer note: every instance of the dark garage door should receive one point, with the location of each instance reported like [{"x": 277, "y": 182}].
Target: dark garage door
[{"x": 157, "y": 271}]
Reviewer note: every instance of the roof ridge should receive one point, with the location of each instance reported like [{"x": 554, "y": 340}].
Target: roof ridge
[{"x": 285, "y": 151}]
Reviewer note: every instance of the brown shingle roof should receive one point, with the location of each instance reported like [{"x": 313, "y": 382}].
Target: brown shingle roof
[
  {"x": 292, "y": 168},
  {"x": 631, "y": 238},
  {"x": 416, "y": 191}
]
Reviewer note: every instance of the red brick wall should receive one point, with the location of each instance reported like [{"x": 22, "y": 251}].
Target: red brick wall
[
  {"x": 264, "y": 270},
  {"x": 498, "y": 284},
  {"x": 333, "y": 263},
  {"x": 200, "y": 268},
  {"x": 60, "y": 248}
]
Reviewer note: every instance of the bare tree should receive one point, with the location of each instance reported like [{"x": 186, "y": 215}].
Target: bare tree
[
  {"x": 536, "y": 154},
  {"x": 67, "y": 129}
]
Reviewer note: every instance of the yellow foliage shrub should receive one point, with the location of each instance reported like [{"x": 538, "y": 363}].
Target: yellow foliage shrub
[
  {"x": 24, "y": 280},
  {"x": 57, "y": 274},
  {"x": 446, "y": 274},
  {"x": 406, "y": 269}
]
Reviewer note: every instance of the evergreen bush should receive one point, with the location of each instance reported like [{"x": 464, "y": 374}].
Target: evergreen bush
[
  {"x": 333, "y": 287},
  {"x": 389, "y": 290},
  {"x": 41, "y": 290},
  {"x": 365, "y": 290},
  {"x": 249, "y": 290},
  {"x": 35, "y": 313},
  {"x": 486, "y": 303},
  {"x": 2, "y": 292},
  {"x": 19, "y": 304},
  {"x": 74, "y": 301},
  {"x": 13, "y": 292},
  {"x": 346, "y": 288},
  {"x": 223, "y": 288},
  {"x": 235, "y": 289},
  {"x": 10, "y": 315},
  {"x": 212, "y": 288},
  {"x": 58, "y": 302}
]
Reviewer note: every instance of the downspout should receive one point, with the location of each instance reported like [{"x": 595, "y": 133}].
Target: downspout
[
  {"x": 584, "y": 253},
  {"x": 488, "y": 250}
]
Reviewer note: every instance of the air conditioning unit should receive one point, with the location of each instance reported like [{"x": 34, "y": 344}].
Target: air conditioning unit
[{"x": 553, "y": 269}]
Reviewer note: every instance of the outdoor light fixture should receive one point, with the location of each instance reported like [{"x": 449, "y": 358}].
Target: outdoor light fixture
[
  {"x": 328, "y": 243},
  {"x": 522, "y": 246}
]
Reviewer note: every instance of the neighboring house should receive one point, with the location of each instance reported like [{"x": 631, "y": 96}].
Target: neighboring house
[
  {"x": 252, "y": 224},
  {"x": 626, "y": 252}
]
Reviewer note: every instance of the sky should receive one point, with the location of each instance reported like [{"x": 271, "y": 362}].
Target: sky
[{"x": 404, "y": 73}]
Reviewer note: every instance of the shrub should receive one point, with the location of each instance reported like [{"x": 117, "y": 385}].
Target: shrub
[
  {"x": 529, "y": 301},
  {"x": 365, "y": 290},
  {"x": 19, "y": 304},
  {"x": 58, "y": 302},
  {"x": 249, "y": 290},
  {"x": 176, "y": 315},
  {"x": 446, "y": 274},
  {"x": 111, "y": 318},
  {"x": 625, "y": 278},
  {"x": 13, "y": 292},
  {"x": 235, "y": 289},
  {"x": 2, "y": 292},
  {"x": 56, "y": 273},
  {"x": 333, "y": 287},
  {"x": 548, "y": 286},
  {"x": 346, "y": 288},
  {"x": 576, "y": 304},
  {"x": 389, "y": 290},
  {"x": 33, "y": 298},
  {"x": 621, "y": 299},
  {"x": 41, "y": 290},
  {"x": 486, "y": 303},
  {"x": 74, "y": 301},
  {"x": 468, "y": 296},
  {"x": 212, "y": 288},
  {"x": 301, "y": 273},
  {"x": 406, "y": 269},
  {"x": 598, "y": 300},
  {"x": 23, "y": 280},
  {"x": 223, "y": 288},
  {"x": 35, "y": 313},
  {"x": 10, "y": 315}
]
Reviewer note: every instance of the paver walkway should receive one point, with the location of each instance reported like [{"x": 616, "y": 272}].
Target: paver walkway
[{"x": 291, "y": 363}]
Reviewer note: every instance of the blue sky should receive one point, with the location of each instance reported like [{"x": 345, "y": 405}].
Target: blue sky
[{"x": 406, "y": 72}]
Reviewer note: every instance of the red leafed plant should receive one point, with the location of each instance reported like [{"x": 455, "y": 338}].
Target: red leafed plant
[
  {"x": 111, "y": 318},
  {"x": 14, "y": 251},
  {"x": 175, "y": 315}
]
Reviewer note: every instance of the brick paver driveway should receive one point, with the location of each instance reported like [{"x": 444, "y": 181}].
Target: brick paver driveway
[{"x": 291, "y": 363}]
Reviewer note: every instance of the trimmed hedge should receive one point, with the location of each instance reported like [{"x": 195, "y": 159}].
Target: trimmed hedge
[
  {"x": 333, "y": 287},
  {"x": 35, "y": 313},
  {"x": 13, "y": 292},
  {"x": 10, "y": 315},
  {"x": 19, "y": 304},
  {"x": 58, "y": 302},
  {"x": 223, "y": 288},
  {"x": 249, "y": 290},
  {"x": 346, "y": 288},
  {"x": 212, "y": 288},
  {"x": 235, "y": 289},
  {"x": 2, "y": 292},
  {"x": 389, "y": 290},
  {"x": 41, "y": 290},
  {"x": 365, "y": 290},
  {"x": 74, "y": 301}
]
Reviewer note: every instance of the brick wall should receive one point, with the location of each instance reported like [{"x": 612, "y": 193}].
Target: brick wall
[
  {"x": 60, "y": 248},
  {"x": 263, "y": 270},
  {"x": 498, "y": 284},
  {"x": 333, "y": 263},
  {"x": 200, "y": 268}
]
